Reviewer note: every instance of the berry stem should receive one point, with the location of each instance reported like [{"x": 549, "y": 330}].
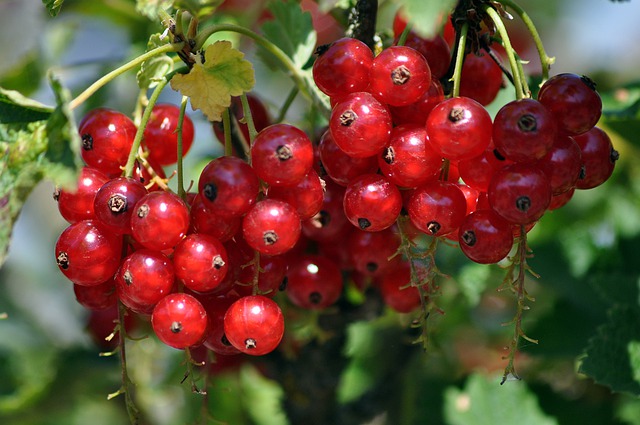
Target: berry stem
[
  {"x": 545, "y": 60},
  {"x": 518, "y": 78},
  {"x": 183, "y": 106},
  {"x": 248, "y": 118},
  {"x": 189, "y": 373},
  {"x": 89, "y": 91},
  {"x": 517, "y": 287},
  {"x": 459, "y": 58},
  {"x": 304, "y": 84},
  {"x": 287, "y": 104},
  {"x": 255, "y": 289}
]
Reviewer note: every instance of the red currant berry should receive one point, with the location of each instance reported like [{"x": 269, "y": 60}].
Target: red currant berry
[
  {"x": 371, "y": 251},
  {"x": 87, "y": 253},
  {"x": 179, "y": 320},
  {"x": 485, "y": 237},
  {"x": 360, "y": 125},
  {"x": 306, "y": 196},
  {"x": 216, "y": 340},
  {"x": 481, "y": 79},
  {"x": 212, "y": 223},
  {"x": 408, "y": 160},
  {"x": 228, "y": 186},
  {"x": 339, "y": 166},
  {"x": 459, "y": 128},
  {"x": 399, "y": 76},
  {"x": 161, "y": 134},
  {"x": 96, "y": 297},
  {"x": 520, "y": 193},
  {"x": 598, "y": 158},
  {"x": 200, "y": 262},
  {"x": 372, "y": 202},
  {"x": 259, "y": 114},
  {"x": 477, "y": 171},
  {"x": 397, "y": 291},
  {"x": 254, "y": 325},
  {"x": 330, "y": 222},
  {"x": 281, "y": 155},
  {"x": 144, "y": 278},
  {"x": 314, "y": 282},
  {"x": 76, "y": 205},
  {"x": 342, "y": 67},
  {"x": 562, "y": 164},
  {"x": 271, "y": 227},
  {"x": 115, "y": 201},
  {"x": 437, "y": 208},
  {"x": 524, "y": 130},
  {"x": 573, "y": 102},
  {"x": 160, "y": 220},
  {"x": 561, "y": 199},
  {"x": 107, "y": 137},
  {"x": 418, "y": 111}
]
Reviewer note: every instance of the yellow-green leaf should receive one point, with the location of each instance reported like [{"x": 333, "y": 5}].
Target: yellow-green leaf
[{"x": 222, "y": 73}]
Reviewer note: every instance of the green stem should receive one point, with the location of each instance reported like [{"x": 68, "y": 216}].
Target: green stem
[
  {"x": 287, "y": 104},
  {"x": 298, "y": 76},
  {"x": 460, "y": 54},
  {"x": 513, "y": 61},
  {"x": 226, "y": 128},
  {"x": 545, "y": 60},
  {"x": 128, "y": 169},
  {"x": 183, "y": 106},
  {"x": 405, "y": 33},
  {"x": 132, "y": 410},
  {"x": 89, "y": 91},
  {"x": 248, "y": 118}
]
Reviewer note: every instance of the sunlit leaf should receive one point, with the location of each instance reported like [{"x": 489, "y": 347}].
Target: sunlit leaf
[
  {"x": 262, "y": 397},
  {"x": 156, "y": 67},
  {"x": 211, "y": 82},
  {"x": 53, "y": 6},
  {"x": 15, "y": 108},
  {"x": 484, "y": 402},
  {"x": 426, "y": 17},
  {"x": 151, "y": 8}
]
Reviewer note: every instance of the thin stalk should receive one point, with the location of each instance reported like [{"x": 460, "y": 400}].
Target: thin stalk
[
  {"x": 189, "y": 373},
  {"x": 183, "y": 106},
  {"x": 518, "y": 77},
  {"x": 405, "y": 33},
  {"x": 226, "y": 128},
  {"x": 545, "y": 60},
  {"x": 296, "y": 73},
  {"x": 89, "y": 91},
  {"x": 255, "y": 290},
  {"x": 287, "y": 104},
  {"x": 248, "y": 118},
  {"x": 460, "y": 54},
  {"x": 128, "y": 169}
]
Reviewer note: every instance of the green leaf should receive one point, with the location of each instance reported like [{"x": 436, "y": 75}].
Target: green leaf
[
  {"x": 262, "y": 397},
  {"x": 484, "y": 402},
  {"x": 426, "y": 17},
  {"x": 155, "y": 68},
  {"x": 210, "y": 84},
  {"x": 15, "y": 108},
  {"x": 621, "y": 111},
  {"x": 291, "y": 30},
  {"x": 151, "y": 8},
  {"x": 53, "y": 6},
  {"x": 612, "y": 358},
  {"x": 33, "y": 151}
]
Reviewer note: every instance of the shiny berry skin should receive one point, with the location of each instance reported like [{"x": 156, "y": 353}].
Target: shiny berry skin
[
  {"x": 216, "y": 307},
  {"x": 477, "y": 171},
  {"x": 144, "y": 278},
  {"x": 115, "y": 201},
  {"x": 520, "y": 193},
  {"x": 179, "y": 320},
  {"x": 160, "y": 220},
  {"x": 481, "y": 78},
  {"x": 271, "y": 227},
  {"x": 485, "y": 237},
  {"x": 161, "y": 136},
  {"x": 87, "y": 253},
  {"x": 437, "y": 208},
  {"x": 209, "y": 222},
  {"x": 418, "y": 111},
  {"x": 372, "y": 202},
  {"x": 76, "y": 205},
  {"x": 459, "y": 128},
  {"x": 598, "y": 158},
  {"x": 306, "y": 196},
  {"x": 330, "y": 222},
  {"x": 396, "y": 290},
  {"x": 524, "y": 130},
  {"x": 399, "y": 76},
  {"x": 370, "y": 252},
  {"x": 343, "y": 67},
  {"x": 360, "y": 125},
  {"x": 200, "y": 262},
  {"x": 314, "y": 282},
  {"x": 408, "y": 160},
  {"x": 281, "y": 155},
  {"x": 228, "y": 186},
  {"x": 254, "y": 325},
  {"x": 562, "y": 164},
  {"x": 561, "y": 199},
  {"x": 340, "y": 167},
  {"x": 96, "y": 297},
  {"x": 107, "y": 137},
  {"x": 573, "y": 102}
]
